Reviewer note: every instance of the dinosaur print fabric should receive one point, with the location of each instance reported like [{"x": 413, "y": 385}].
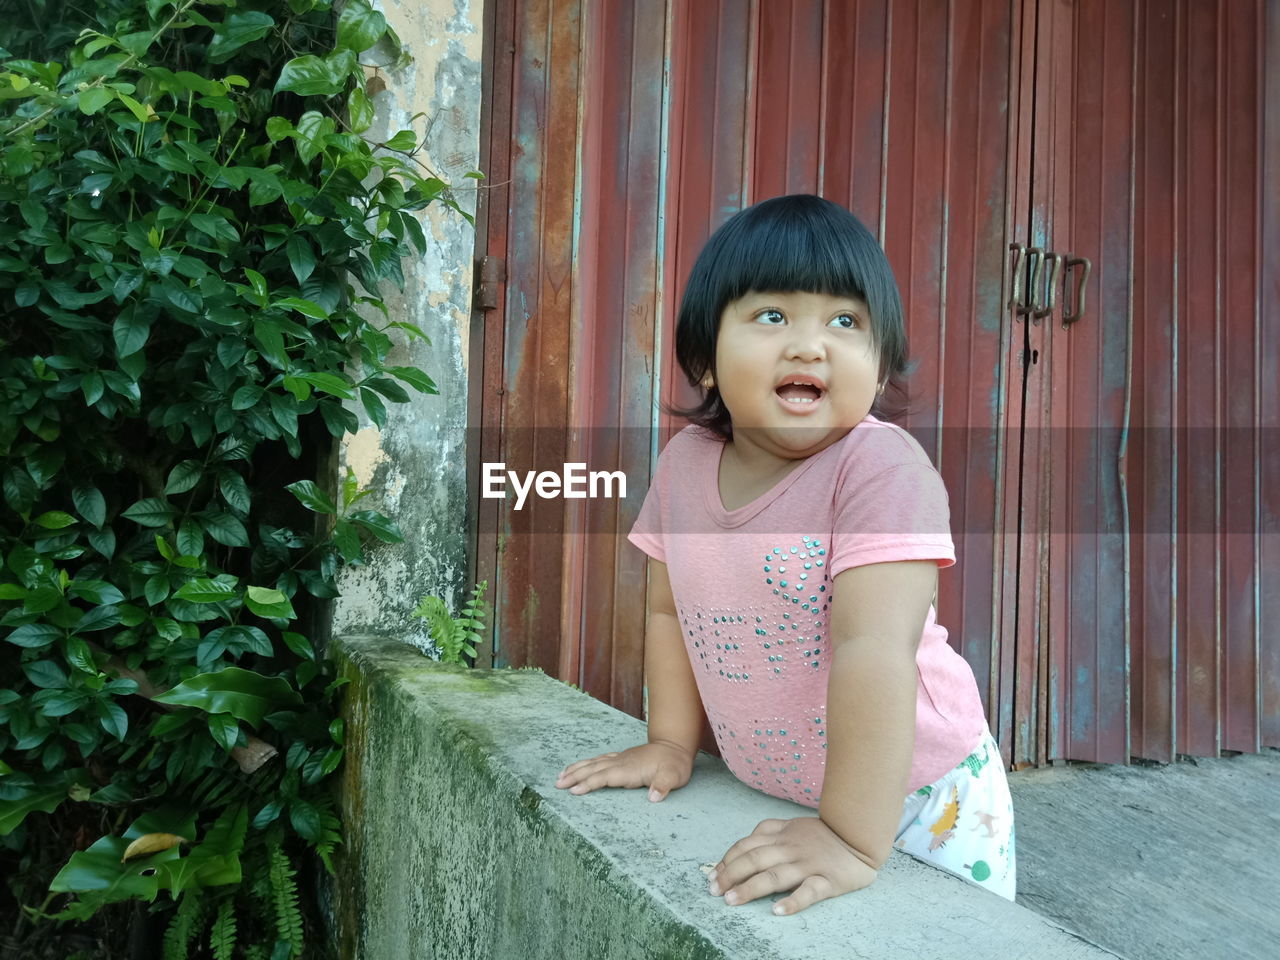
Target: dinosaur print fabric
[{"x": 963, "y": 822}]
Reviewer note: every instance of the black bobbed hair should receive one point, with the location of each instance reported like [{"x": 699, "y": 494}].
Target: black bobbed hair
[{"x": 798, "y": 242}]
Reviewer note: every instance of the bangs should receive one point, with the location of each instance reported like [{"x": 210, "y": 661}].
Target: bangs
[{"x": 790, "y": 252}]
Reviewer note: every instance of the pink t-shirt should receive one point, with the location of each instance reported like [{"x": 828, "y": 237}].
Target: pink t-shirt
[{"x": 753, "y": 591}]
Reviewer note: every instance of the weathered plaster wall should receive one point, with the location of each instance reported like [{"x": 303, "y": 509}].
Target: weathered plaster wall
[{"x": 418, "y": 462}]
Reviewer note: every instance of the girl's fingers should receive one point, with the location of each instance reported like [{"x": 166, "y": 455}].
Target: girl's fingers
[
  {"x": 572, "y": 772},
  {"x": 746, "y": 858},
  {"x": 734, "y": 853},
  {"x": 777, "y": 878},
  {"x": 813, "y": 889}
]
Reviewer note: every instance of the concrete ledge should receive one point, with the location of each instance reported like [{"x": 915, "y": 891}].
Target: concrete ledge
[{"x": 459, "y": 846}]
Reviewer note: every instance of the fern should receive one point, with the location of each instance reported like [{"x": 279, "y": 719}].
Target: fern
[
  {"x": 222, "y": 937},
  {"x": 330, "y": 834},
  {"x": 455, "y": 637},
  {"x": 186, "y": 923},
  {"x": 284, "y": 898}
]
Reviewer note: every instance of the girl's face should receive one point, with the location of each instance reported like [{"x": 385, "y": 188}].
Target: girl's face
[{"x": 797, "y": 371}]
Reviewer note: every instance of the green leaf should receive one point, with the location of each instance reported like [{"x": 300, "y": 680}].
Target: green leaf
[
  {"x": 99, "y": 871},
  {"x": 259, "y": 284},
  {"x": 302, "y": 260},
  {"x": 45, "y": 674},
  {"x": 269, "y": 337},
  {"x": 312, "y": 130},
  {"x": 113, "y": 719},
  {"x": 312, "y": 497},
  {"x": 131, "y": 330},
  {"x": 94, "y": 99},
  {"x": 235, "y": 31},
  {"x": 299, "y": 644},
  {"x": 54, "y": 520},
  {"x": 224, "y": 528},
  {"x": 304, "y": 307},
  {"x": 347, "y": 539},
  {"x": 414, "y": 378},
  {"x": 269, "y": 603},
  {"x": 305, "y": 819},
  {"x": 80, "y": 656},
  {"x": 143, "y": 113},
  {"x": 404, "y": 141},
  {"x": 92, "y": 386},
  {"x": 267, "y": 815},
  {"x": 190, "y": 538},
  {"x": 42, "y": 796},
  {"x": 278, "y": 128},
  {"x": 359, "y": 110},
  {"x": 373, "y": 406},
  {"x": 151, "y": 512},
  {"x": 183, "y": 477},
  {"x": 389, "y": 389},
  {"x": 299, "y": 388},
  {"x": 382, "y": 528},
  {"x": 225, "y": 730},
  {"x": 309, "y": 76},
  {"x": 234, "y": 490},
  {"x": 360, "y": 26},
  {"x": 246, "y": 695},
  {"x": 34, "y": 635},
  {"x": 156, "y": 589},
  {"x": 95, "y": 591},
  {"x": 203, "y": 590},
  {"x": 99, "y": 618},
  {"x": 90, "y": 504},
  {"x": 328, "y": 383}
]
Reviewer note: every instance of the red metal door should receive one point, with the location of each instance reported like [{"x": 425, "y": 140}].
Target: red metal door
[{"x": 1145, "y": 467}]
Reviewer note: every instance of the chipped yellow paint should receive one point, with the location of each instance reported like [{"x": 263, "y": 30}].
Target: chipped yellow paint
[{"x": 364, "y": 454}]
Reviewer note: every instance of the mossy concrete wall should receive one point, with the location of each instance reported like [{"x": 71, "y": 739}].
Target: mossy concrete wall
[{"x": 459, "y": 846}]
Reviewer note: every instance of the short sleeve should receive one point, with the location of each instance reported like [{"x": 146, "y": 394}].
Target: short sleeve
[
  {"x": 647, "y": 532},
  {"x": 899, "y": 514}
]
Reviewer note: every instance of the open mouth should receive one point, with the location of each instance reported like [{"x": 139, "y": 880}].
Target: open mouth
[{"x": 800, "y": 391}]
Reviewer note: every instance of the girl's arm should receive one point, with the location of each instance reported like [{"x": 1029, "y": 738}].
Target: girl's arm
[
  {"x": 877, "y": 617},
  {"x": 675, "y": 711}
]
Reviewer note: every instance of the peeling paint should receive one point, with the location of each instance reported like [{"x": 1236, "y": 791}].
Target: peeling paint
[{"x": 364, "y": 454}]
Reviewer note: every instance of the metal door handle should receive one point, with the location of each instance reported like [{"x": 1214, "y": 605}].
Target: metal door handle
[
  {"x": 1077, "y": 311},
  {"x": 1026, "y": 305},
  {"x": 1015, "y": 297},
  {"x": 1049, "y": 292}
]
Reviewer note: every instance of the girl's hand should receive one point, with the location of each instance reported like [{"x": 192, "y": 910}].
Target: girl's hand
[
  {"x": 662, "y": 767},
  {"x": 803, "y": 855}
]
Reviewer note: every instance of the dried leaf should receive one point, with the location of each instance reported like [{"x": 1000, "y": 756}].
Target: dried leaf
[{"x": 150, "y": 843}]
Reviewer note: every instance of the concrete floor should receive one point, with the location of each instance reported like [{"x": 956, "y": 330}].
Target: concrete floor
[{"x": 1156, "y": 862}]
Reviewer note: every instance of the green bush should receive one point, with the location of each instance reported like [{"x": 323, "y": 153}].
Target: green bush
[{"x": 194, "y": 230}]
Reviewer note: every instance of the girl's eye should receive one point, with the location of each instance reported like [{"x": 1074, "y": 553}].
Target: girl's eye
[
  {"x": 846, "y": 321},
  {"x": 771, "y": 318}
]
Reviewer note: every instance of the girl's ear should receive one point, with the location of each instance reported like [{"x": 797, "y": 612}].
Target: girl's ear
[{"x": 708, "y": 381}]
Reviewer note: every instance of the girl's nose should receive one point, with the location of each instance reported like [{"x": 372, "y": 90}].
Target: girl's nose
[{"x": 806, "y": 344}]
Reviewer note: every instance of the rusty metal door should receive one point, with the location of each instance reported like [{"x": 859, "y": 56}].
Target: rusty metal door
[
  {"x": 1156, "y": 484},
  {"x": 1078, "y": 458}
]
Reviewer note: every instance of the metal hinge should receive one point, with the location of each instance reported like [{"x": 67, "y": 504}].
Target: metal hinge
[{"x": 491, "y": 273}]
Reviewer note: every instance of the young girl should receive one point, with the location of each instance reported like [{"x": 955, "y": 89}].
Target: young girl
[{"x": 794, "y": 541}]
